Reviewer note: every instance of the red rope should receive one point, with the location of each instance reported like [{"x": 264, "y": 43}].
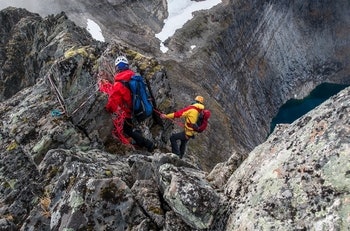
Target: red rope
[
  {"x": 172, "y": 120},
  {"x": 118, "y": 121}
]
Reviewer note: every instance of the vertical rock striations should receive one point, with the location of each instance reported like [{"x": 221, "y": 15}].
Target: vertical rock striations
[{"x": 252, "y": 56}]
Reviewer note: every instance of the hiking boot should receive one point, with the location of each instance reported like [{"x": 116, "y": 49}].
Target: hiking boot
[{"x": 151, "y": 147}]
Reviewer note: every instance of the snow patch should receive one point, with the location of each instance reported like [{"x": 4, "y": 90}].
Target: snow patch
[
  {"x": 180, "y": 11},
  {"x": 95, "y": 30}
]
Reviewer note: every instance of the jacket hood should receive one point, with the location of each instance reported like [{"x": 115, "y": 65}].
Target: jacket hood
[
  {"x": 124, "y": 75},
  {"x": 198, "y": 105}
]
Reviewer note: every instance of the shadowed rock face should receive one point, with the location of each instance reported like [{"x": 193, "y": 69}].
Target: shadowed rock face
[
  {"x": 131, "y": 22},
  {"x": 27, "y": 48},
  {"x": 252, "y": 56}
]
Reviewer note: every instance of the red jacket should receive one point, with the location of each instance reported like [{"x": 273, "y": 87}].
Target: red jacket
[{"x": 119, "y": 96}]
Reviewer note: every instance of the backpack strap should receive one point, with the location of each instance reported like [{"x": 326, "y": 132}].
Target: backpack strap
[
  {"x": 125, "y": 83},
  {"x": 193, "y": 125}
]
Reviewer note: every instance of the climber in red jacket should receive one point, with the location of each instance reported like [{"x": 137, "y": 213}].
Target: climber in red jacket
[{"x": 120, "y": 103}]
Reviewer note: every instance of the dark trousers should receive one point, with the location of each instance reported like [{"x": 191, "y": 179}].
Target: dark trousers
[
  {"x": 174, "y": 138},
  {"x": 139, "y": 139}
]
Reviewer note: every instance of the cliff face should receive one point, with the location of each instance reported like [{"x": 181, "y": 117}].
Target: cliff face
[
  {"x": 60, "y": 168},
  {"x": 252, "y": 56},
  {"x": 299, "y": 178},
  {"x": 131, "y": 22}
]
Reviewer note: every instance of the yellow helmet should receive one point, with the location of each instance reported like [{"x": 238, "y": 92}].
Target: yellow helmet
[{"x": 199, "y": 99}]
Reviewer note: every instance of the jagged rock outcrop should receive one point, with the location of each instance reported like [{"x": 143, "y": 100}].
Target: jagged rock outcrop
[
  {"x": 189, "y": 194},
  {"x": 29, "y": 43},
  {"x": 60, "y": 167},
  {"x": 132, "y": 22},
  {"x": 70, "y": 62},
  {"x": 299, "y": 178}
]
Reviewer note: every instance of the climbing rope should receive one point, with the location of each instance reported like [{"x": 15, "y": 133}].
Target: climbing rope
[
  {"x": 172, "y": 120},
  {"x": 118, "y": 118},
  {"x": 58, "y": 94},
  {"x": 83, "y": 103},
  {"x": 87, "y": 93}
]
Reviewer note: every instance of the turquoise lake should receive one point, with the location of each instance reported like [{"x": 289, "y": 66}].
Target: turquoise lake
[{"x": 295, "y": 108}]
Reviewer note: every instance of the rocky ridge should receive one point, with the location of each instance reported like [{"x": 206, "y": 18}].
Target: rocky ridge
[
  {"x": 61, "y": 171},
  {"x": 248, "y": 58}
]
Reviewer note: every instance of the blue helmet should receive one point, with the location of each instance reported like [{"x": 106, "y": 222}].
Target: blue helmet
[{"x": 121, "y": 63}]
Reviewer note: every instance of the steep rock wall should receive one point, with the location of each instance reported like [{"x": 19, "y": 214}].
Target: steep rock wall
[
  {"x": 252, "y": 56},
  {"x": 131, "y": 22},
  {"x": 299, "y": 178}
]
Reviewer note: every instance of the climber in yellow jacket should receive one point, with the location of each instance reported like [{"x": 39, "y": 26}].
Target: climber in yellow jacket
[{"x": 190, "y": 114}]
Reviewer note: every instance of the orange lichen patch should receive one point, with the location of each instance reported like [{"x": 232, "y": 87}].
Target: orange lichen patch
[
  {"x": 278, "y": 172},
  {"x": 347, "y": 200},
  {"x": 9, "y": 217},
  {"x": 44, "y": 204},
  {"x": 272, "y": 150},
  {"x": 263, "y": 66},
  {"x": 301, "y": 169},
  {"x": 318, "y": 130}
]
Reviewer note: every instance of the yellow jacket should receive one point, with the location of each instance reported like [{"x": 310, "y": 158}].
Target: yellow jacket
[{"x": 190, "y": 113}]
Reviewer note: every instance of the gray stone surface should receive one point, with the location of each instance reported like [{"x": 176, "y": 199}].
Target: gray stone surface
[
  {"x": 299, "y": 178},
  {"x": 67, "y": 172}
]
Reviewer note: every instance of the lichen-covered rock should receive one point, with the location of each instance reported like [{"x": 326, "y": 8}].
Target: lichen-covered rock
[
  {"x": 141, "y": 167},
  {"x": 146, "y": 193},
  {"x": 299, "y": 178},
  {"x": 189, "y": 195},
  {"x": 85, "y": 191},
  {"x": 174, "y": 222},
  {"x": 97, "y": 204},
  {"x": 19, "y": 189},
  {"x": 7, "y": 225},
  {"x": 220, "y": 174}
]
